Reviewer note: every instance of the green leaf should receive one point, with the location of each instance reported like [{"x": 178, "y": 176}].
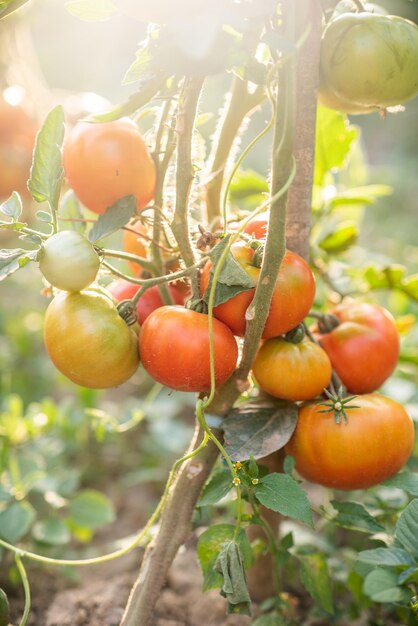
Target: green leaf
[
  {"x": 230, "y": 565},
  {"x": 258, "y": 429},
  {"x": 91, "y": 509},
  {"x": 4, "y": 607},
  {"x": 247, "y": 183},
  {"x": 140, "y": 70},
  {"x": 406, "y": 529},
  {"x": 136, "y": 101},
  {"x": 12, "y": 207},
  {"x": 334, "y": 138},
  {"x": 115, "y": 217},
  {"x": 339, "y": 239},
  {"x": 218, "y": 486},
  {"x": 44, "y": 216},
  {"x": 46, "y": 173},
  {"x": 355, "y": 517},
  {"x": 281, "y": 493},
  {"x": 209, "y": 546},
  {"x": 392, "y": 557},
  {"x": 404, "y": 480},
  {"x": 273, "y": 619},
  {"x": 361, "y": 195},
  {"x": 92, "y": 10},
  {"x": 408, "y": 575},
  {"x": 52, "y": 531},
  {"x": 8, "y": 6},
  {"x": 13, "y": 259},
  {"x": 410, "y": 286},
  {"x": 381, "y": 585},
  {"x": 70, "y": 211},
  {"x": 15, "y": 521},
  {"x": 315, "y": 578},
  {"x": 232, "y": 279}
]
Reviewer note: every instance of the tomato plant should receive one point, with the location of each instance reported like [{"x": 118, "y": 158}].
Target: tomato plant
[
  {"x": 364, "y": 347},
  {"x": 370, "y": 60},
  {"x": 148, "y": 302},
  {"x": 174, "y": 348},
  {"x": 88, "y": 341},
  {"x": 105, "y": 162},
  {"x": 373, "y": 444},
  {"x": 292, "y": 371},
  {"x": 292, "y": 297},
  {"x": 68, "y": 261}
]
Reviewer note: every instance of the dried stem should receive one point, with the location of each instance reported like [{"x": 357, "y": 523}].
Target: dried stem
[
  {"x": 241, "y": 103},
  {"x": 189, "y": 100}
]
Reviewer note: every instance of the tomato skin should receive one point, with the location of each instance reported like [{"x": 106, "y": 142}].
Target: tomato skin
[
  {"x": 105, "y": 162},
  {"x": 370, "y": 60},
  {"x": 17, "y": 139},
  {"x": 134, "y": 243},
  {"x": 364, "y": 348},
  {"x": 174, "y": 347},
  {"x": 292, "y": 371},
  {"x": 68, "y": 261},
  {"x": 292, "y": 298},
  {"x": 257, "y": 227},
  {"x": 88, "y": 341},
  {"x": 373, "y": 445},
  {"x": 148, "y": 302}
]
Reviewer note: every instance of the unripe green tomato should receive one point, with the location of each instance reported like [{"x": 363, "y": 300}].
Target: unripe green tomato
[
  {"x": 349, "y": 6},
  {"x": 68, "y": 261},
  {"x": 370, "y": 60}
]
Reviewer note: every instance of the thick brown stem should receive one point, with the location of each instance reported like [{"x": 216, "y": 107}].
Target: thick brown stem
[
  {"x": 241, "y": 103},
  {"x": 300, "y": 196}
]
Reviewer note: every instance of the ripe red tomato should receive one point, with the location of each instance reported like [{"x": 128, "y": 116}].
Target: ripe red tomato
[
  {"x": 174, "y": 347},
  {"x": 292, "y": 371},
  {"x": 258, "y": 226},
  {"x": 88, "y": 341},
  {"x": 17, "y": 138},
  {"x": 133, "y": 241},
  {"x": 292, "y": 299},
  {"x": 68, "y": 261},
  {"x": 370, "y": 60},
  {"x": 148, "y": 302},
  {"x": 105, "y": 162},
  {"x": 364, "y": 348},
  {"x": 374, "y": 444}
]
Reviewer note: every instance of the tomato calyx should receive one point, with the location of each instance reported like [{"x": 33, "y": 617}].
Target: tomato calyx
[
  {"x": 296, "y": 335},
  {"x": 207, "y": 240},
  {"x": 338, "y": 404},
  {"x": 327, "y": 322},
  {"x": 198, "y": 305},
  {"x": 128, "y": 312},
  {"x": 258, "y": 247}
]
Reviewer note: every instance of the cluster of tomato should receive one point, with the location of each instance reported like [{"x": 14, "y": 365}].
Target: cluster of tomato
[
  {"x": 369, "y": 60},
  {"x": 93, "y": 346}
]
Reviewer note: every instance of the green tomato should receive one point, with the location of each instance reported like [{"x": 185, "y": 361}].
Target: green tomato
[
  {"x": 68, "y": 261},
  {"x": 370, "y": 60}
]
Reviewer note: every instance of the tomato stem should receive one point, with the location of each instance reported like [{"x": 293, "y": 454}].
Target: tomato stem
[{"x": 25, "y": 582}]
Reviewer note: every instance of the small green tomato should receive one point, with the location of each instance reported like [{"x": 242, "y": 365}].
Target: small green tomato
[{"x": 68, "y": 261}]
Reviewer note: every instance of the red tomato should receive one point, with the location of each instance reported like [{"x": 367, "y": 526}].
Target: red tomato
[
  {"x": 105, "y": 162},
  {"x": 148, "y": 302},
  {"x": 258, "y": 226},
  {"x": 292, "y": 299},
  {"x": 374, "y": 444},
  {"x": 364, "y": 348},
  {"x": 174, "y": 348},
  {"x": 292, "y": 371},
  {"x": 88, "y": 341}
]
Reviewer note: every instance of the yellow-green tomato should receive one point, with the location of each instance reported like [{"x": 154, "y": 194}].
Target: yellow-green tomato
[
  {"x": 68, "y": 261},
  {"x": 292, "y": 371},
  {"x": 88, "y": 341},
  {"x": 370, "y": 60}
]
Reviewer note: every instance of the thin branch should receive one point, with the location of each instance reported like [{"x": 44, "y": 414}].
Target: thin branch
[{"x": 189, "y": 100}]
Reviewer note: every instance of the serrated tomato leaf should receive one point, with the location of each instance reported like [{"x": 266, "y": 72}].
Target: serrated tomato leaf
[
  {"x": 258, "y": 429},
  {"x": 115, "y": 217},
  {"x": 281, "y": 493},
  {"x": 13, "y": 259},
  {"x": 12, "y": 207}
]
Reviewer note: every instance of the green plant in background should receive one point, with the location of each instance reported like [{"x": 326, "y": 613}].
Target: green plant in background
[{"x": 362, "y": 555}]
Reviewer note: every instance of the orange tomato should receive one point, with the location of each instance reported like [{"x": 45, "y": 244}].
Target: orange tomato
[{"x": 134, "y": 243}]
